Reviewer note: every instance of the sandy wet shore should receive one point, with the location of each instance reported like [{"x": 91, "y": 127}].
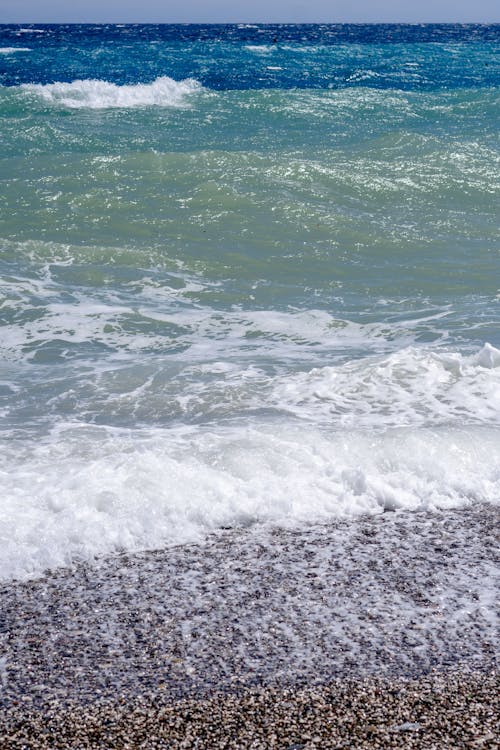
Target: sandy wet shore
[{"x": 301, "y": 633}]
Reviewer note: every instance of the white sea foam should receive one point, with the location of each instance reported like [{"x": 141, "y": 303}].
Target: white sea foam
[
  {"x": 410, "y": 386},
  {"x": 304, "y": 48},
  {"x": 85, "y": 491},
  {"x": 364, "y": 75},
  {"x": 94, "y": 94},
  {"x": 205, "y": 330},
  {"x": 13, "y": 50},
  {"x": 260, "y": 49}
]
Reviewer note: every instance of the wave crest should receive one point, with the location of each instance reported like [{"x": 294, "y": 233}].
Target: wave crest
[
  {"x": 13, "y": 50},
  {"x": 409, "y": 387},
  {"x": 96, "y": 94}
]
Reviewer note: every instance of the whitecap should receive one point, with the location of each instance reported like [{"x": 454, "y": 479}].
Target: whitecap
[
  {"x": 260, "y": 49},
  {"x": 96, "y": 94},
  {"x": 13, "y": 50}
]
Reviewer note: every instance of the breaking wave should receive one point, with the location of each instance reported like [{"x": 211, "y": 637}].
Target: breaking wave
[
  {"x": 94, "y": 94},
  {"x": 86, "y": 491}
]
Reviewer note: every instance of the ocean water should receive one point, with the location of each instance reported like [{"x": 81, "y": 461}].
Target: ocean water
[{"x": 249, "y": 277}]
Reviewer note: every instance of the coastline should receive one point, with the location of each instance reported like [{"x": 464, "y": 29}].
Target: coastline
[
  {"x": 250, "y": 386},
  {"x": 325, "y": 615}
]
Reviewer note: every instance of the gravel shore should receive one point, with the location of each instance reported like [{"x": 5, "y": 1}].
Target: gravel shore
[
  {"x": 437, "y": 711},
  {"x": 379, "y": 632}
]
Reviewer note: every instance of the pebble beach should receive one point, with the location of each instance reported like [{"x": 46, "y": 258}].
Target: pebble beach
[
  {"x": 438, "y": 711},
  {"x": 374, "y": 633}
]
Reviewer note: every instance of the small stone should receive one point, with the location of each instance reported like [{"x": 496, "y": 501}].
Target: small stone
[{"x": 408, "y": 726}]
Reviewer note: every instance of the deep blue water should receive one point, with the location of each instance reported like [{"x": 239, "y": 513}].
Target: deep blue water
[{"x": 443, "y": 56}]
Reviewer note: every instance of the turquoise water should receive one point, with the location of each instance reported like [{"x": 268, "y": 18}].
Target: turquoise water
[{"x": 248, "y": 275}]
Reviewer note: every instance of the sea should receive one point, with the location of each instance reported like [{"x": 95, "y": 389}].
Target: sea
[{"x": 249, "y": 279}]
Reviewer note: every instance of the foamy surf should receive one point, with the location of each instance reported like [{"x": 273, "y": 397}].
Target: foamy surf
[
  {"x": 267, "y": 307},
  {"x": 96, "y": 94},
  {"x": 85, "y": 491},
  {"x": 412, "y": 386}
]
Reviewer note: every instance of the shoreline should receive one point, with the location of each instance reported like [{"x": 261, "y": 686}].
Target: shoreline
[{"x": 397, "y": 602}]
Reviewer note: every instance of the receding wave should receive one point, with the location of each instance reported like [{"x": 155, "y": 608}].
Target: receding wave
[{"x": 95, "y": 94}]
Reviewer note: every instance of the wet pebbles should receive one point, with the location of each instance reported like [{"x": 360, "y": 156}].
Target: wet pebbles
[{"x": 379, "y": 632}]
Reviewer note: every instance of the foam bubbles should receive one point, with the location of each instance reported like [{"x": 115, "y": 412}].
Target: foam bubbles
[
  {"x": 94, "y": 94},
  {"x": 412, "y": 386},
  {"x": 85, "y": 491}
]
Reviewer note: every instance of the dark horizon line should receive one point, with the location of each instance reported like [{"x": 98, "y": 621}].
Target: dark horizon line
[{"x": 252, "y": 23}]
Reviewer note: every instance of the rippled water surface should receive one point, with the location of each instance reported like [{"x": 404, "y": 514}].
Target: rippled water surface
[{"x": 248, "y": 274}]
